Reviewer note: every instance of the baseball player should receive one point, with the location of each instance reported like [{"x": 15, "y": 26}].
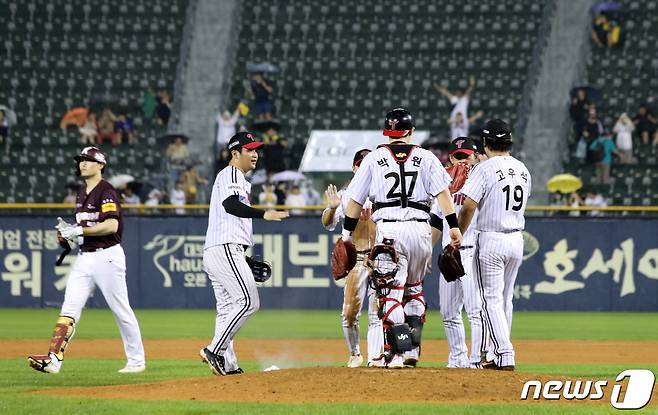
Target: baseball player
[
  {"x": 229, "y": 235},
  {"x": 356, "y": 283},
  {"x": 498, "y": 188},
  {"x": 401, "y": 179},
  {"x": 101, "y": 263},
  {"x": 463, "y": 293}
]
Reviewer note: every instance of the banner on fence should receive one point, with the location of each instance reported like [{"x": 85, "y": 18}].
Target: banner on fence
[{"x": 570, "y": 264}]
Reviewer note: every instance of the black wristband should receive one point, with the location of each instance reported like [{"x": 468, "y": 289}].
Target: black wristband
[
  {"x": 349, "y": 224},
  {"x": 452, "y": 220},
  {"x": 435, "y": 222}
]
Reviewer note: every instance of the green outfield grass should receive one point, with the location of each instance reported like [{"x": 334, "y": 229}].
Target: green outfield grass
[{"x": 16, "y": 379}]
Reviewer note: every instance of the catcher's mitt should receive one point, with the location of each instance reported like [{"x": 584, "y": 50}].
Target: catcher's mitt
[
  {"x": 262, "y": 270},
  {"x": 459, "y": 174},
  {"x": 343, "y": 259},
  {"x": 450, "y": 263}
]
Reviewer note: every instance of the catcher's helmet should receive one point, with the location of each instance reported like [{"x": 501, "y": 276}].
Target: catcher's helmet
[
  {"x": 91, "y": 154},
  {"x": 496, "y": 130},
  {"x": 399, "y": 123}
]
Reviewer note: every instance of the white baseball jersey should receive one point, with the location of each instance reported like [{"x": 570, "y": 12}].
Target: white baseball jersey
[
  {"x": 415, "y": 182},
  {"x": 224, "y": 228},
  {"x": 468, "y": 238},
  {"x": 501, "y": 187}
]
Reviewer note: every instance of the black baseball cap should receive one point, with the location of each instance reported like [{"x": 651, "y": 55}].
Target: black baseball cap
[
  {"x": 359, "y": 156},
  {"x": 463, "y": 145},
  {"x": 243, "y": 139}
]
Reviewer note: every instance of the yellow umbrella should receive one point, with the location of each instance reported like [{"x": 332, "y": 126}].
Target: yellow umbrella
[{"x": 564, "y": 183}]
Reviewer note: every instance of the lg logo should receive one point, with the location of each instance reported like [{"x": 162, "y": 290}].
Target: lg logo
[{"x": 638, "y": 391}]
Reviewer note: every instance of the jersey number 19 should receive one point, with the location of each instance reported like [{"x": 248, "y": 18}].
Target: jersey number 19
[{"x": 516, "y": 194}]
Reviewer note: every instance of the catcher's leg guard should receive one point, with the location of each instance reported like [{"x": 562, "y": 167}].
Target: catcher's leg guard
[
  {"x": 416, "y": 328},
  {"x": 398, "y": 337},
  {"x": 62, "y": 334}
]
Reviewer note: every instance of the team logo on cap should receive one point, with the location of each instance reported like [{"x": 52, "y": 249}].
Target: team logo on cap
[
  {"x": 459, "y": 143},
  {"x": 392, "y": 123}
]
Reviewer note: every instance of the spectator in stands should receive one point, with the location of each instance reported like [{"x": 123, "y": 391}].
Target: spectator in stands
[
  {"x": 223, "y": 158},
  {"x": 163, "y": 109},
  {"x": 226, "y": 123},
  {"x": 624, "y": 129},
  {"x": 606, "y": 32},
  {"x": 459, "y": 126},
  {"x": 71, "y": 194},
  {"x": 106, "y": 127},
  {"x": 154, "y": 197},
  {"x": 89, "y": 131},
  {"x": 575, "y": 201},
  {"x": 177, "y": 152},
  {"x": 149, "y": 103},
  {"x": 191, "y": 180},
  {"x": 4, "y": 131},
  {"x": 281, "y": 193},
  {"x": 592, "y": 129},
  {"x": 273, "y": 150},
  {"x": 578, "y": 111},
  {"x": 296, "y": 198},
  {"x": 129, "y": 197},
  {"x": 459, "y": 99},
  {"x": 645, "y": 125},
  {"x": 604, "y": 150},
  {"x": 267, "y": 197},
  {"x": 125, "y": 128},
  {"x": 262, "y": 91},
  {"x": 594, "y": 199},
  {"x": 177, "y": 197}
]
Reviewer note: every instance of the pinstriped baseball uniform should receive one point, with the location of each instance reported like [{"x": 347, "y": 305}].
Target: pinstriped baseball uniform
[
  {"x": 501, "y": 187},
  {"x": 356, "y": 285},
  {"x": 461, "y": 294},
  {"x": 402, "y": 196},
  {"x": 224, "y": 262}
]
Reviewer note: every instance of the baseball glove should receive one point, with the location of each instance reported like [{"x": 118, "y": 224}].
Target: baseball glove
[
  {"x": 262, "y": 270},
  {"x": 343, "y": 259},
  {"x": 450, "y": 263},
  {"x": 459, "y": 174}
]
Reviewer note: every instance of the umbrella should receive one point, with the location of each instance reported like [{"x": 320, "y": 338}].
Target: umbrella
[
  {"x": 76, "y": 116},
  {"x": 564, "y": 183},
  {"x": 606, "y": 6},
  {"x": 10, "y": 115},
  {"x": 167, "y": 139},
  {"x": 288, "y": 176},
  {"x": 120, "y": 180},
  {"x": 258, "y": 177},
  {"x": 262, "y": 67}
]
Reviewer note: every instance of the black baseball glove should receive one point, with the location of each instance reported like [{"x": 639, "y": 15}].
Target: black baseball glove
[
  {"x": 65, "y": 246},
  {"x": 262, "y": 270},
  {"x": 450, "y": 263}
]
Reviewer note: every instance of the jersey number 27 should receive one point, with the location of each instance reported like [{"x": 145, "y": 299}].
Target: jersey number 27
[{"x": 392, "y": 194}]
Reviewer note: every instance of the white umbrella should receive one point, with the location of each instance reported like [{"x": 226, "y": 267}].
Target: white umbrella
[
  {"x": 288, "y": 176},
  {"x": 121, "y": 180},
  {"x": 9, "y": 114},
  {"x": 259, "y": 177}
]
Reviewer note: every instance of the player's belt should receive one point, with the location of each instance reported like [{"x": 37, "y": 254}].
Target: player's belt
[
  {"x": 404, "y": 220},
  {"x": 463, "y": 247},
  {"x": 396, "y": 203}
]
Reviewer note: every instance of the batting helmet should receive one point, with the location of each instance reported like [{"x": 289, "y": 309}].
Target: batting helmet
[
  {"x": 90, "y": 154},
  {"x": 399, "y": 123},
  {"x": 496, "y": 130}
]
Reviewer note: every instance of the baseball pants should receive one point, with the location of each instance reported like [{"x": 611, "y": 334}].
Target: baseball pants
[
  {"x": 453, "y": 298},
  {"x": 107, "y": 270},
  {"x": 413, "y": 243},
  {"x": 356, "y": 290},
  {"x": 497, "y": 259},
  {"x": 236, "y": 295}
]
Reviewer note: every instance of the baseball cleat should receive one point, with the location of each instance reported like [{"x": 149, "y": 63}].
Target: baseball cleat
[
  {"x": 214, "y": 361},
  {"x": 377, "y": 363},
  {"x": 132, "y": 369},
  {"x": 396, "y": 363},
  {"x": 355, "y": 361},
  {"x": 47, "y": 363},
  {"x": 410, "y": 362},
  {"x": 476, "y": 365},
  {"x": 237, "y": 371},
  {"x": 509, "y": 368},
  {"x": 489, "y": 364}
]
